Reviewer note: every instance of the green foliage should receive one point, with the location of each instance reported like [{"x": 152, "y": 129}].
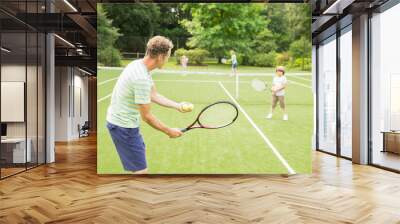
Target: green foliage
[
  {"x": 264, "y": 60},
  {"x": 219, "y": 28},
  {"x": 179, "y": 53},
  {"x": 109, "y": 56},
  {"x": 301, "y": 49},
  {"x": 169, "y": 24},
  {"x": 140, "y": 21},
  {"x": 265, "y": 42},
  {"x": 196, "y": 56},
  {"x": 106, "y": 37},
  {"x": 252, "y": 30},
  {"x": 302, "y": 63},
  {"x": 282, "y": 59},
  {"x": 299, "y": 19},
  {"x": 137, "y": 22},
  {"x": 287, "y": 23}
]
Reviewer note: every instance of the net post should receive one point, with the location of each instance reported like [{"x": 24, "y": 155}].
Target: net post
[{"x": 237, "y": 86}]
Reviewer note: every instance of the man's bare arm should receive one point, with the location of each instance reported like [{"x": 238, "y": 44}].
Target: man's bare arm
[
  {"x": 164, "y": 101},
  {"x": 148, "y": 117}
]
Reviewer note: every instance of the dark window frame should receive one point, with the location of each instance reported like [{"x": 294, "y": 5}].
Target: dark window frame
[{"x": 29, "y": 29}]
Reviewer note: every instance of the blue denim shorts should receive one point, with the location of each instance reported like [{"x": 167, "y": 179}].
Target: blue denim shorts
[{"x": 130, "y": 147}]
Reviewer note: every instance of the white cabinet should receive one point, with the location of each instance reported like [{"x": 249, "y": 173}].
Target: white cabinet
[{"x": 18, "y": 149}]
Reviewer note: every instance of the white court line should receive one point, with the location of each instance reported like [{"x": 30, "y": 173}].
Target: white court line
[
  {"x": 105, "y": 81},
  {"x": 300, "y": 84},
  {"x": 297, "y": 77},
  {"x": 195, "y": 81},
  {"x": 110, "y": 68},
  {"x": 211, "y": 81},
  {"x": 173, "y": 71},
  {"x": 103, "y": 98},
  {"x": 192, "y": 81},
  {"x": 274, "y": 150}
]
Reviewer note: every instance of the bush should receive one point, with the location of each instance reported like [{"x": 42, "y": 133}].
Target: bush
[
  {"x": 264, "y": 60},
  {"x": 282, "y": 58},
  {"x": 300, "y": 48},
  {"x": 196, "y": 56},
  {"x": 246, "y": 60},
  {"x": 178, "y": 54},
  {"x": 109, "y": 57},
  {"x": 298, "y": 63},
  {"x": 240, "y": 59}
]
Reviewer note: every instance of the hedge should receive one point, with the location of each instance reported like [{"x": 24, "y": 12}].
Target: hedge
[{"x": 196, "y": 56}]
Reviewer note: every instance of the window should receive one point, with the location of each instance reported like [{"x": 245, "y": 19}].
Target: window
[
  {"x": 327, "y": 95},
  {"x": 22, "y": 77},
  {"x": 385, "y": 89},
  {"x": 346, "y": 92}
]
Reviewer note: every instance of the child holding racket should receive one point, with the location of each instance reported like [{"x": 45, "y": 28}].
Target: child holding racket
[
  {"x": 278, "y": 92},
  {"x": 131, "y": 102}
]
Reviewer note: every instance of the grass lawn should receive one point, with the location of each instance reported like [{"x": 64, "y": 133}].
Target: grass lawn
[{"x": 236, "y": 149}]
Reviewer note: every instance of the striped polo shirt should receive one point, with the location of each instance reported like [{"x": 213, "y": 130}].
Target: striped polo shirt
[{"x": 133, "y": 88}]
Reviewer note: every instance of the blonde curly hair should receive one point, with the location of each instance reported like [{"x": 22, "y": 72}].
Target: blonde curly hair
[{"x": 158, "y": 45}]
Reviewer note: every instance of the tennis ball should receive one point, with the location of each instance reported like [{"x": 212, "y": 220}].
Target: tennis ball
[{"x": 187, "y": 107}]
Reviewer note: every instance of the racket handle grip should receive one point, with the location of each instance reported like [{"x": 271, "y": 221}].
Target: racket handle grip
[{"x": 184, "y": 130}]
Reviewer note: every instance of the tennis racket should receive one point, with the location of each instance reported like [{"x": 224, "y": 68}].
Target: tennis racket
[
  {"x": 224, "y": 61},
  {"x": 214, "y": 116},
  {"x": 258, "y": 85}
]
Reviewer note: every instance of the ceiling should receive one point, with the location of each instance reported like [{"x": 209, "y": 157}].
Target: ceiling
[
  {"x": 329, "y": 14},
  {"x": 74, "y": 22}
]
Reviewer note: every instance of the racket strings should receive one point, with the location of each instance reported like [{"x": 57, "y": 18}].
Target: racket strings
[
  {"x": 218, "y": 115},
  {"x": 258, "y": 85}
]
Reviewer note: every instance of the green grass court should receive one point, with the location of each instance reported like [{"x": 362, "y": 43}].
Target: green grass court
[{"x": 237, "y": 149}]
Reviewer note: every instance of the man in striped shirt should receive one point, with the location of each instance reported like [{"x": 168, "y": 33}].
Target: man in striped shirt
[{"x": 131, "y": 101}]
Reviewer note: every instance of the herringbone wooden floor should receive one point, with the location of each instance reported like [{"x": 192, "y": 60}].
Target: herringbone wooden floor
[{"x": 70, "y": 191}]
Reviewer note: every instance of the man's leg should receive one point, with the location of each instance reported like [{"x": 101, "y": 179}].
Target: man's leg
[{"x": 130, "y": 147}]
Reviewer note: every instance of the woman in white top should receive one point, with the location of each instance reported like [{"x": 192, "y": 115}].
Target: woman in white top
[
  {"x": 278, "y": 92},
  {"x": 184, "y": 62}
]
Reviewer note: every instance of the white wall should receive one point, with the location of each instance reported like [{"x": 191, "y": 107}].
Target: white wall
[
  {"x": 33, "y": 127},
  {"x": 70, "y": 83},
  {"x": 62, "y": 81},
  {"x": 12, "y": 73}
]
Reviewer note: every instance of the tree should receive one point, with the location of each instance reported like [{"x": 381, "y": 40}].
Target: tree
[
  {"x": 279, "y": 26},
  {"x": 136, "y": 22},
  {"x": 106, "y": 37},
  {"x": 264, "y": 42},
  {"x": 169, "y": 25},
  {"x": 139, "y": 22},
  {"x": 299, "y": 20},
  {"x": 219, "y": 28},
  {"x": 301, "y": 49}
]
